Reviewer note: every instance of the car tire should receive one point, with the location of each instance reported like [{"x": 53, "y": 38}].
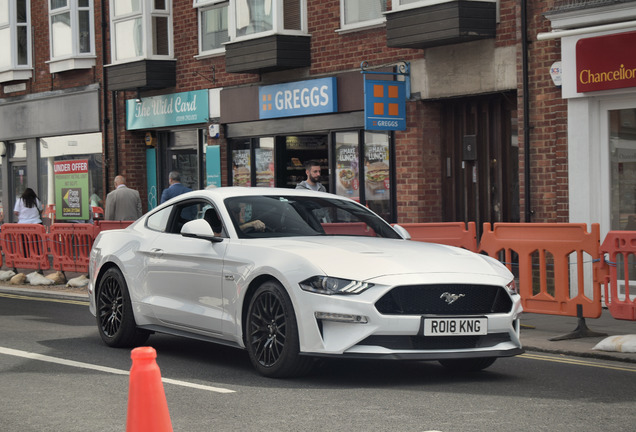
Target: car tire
[
  {"x": 272, "y": 334},
  {"x": 115, "y": 321},
  {"x": 468, "y": 364}
]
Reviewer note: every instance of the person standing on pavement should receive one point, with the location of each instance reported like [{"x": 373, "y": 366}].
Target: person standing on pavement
[
  {"x": 28, "y": 208},
  {"x": 312, "y": 169},
  {"x": 123, "y": 203},
  {"x": 175, "y": 188}
]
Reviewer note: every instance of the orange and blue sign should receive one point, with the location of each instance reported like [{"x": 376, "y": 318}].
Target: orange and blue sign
[
  {"x": 384, "y": 105},
  {"x": 298, "y": 98}
]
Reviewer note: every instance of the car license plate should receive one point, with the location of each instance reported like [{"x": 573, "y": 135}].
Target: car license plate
[{"x": 455, "y": 326}]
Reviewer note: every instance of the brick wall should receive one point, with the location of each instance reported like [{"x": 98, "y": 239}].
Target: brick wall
[{"x": 547, "y": 125}]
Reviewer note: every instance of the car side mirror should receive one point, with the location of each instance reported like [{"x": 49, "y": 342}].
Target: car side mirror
[
  {"x": 200, "y": 228},
  {"x": 402, "y": 232}
]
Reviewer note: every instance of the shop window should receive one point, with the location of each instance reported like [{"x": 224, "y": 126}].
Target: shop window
[
  {"x": 85, "y": 147},
  {"x": 141, "y": 29},
  {"x": 72, "y": 35},
  {"x": 15, "y": 34},
  {"x": 355, "y": 14},
  {"x": 622, "y": 141}
]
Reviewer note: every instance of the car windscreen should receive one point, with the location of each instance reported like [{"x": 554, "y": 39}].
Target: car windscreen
[{"x": 290, "y": 216}]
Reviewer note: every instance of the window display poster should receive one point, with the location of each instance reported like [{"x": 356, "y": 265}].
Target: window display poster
[
  {"x": 241, "y": 172},
  {"x": 376, "y": 171},
  {"x": 71, "y": 190},
  {"x": 347, "y": 171},
  {"x": 264, "y": 167}
]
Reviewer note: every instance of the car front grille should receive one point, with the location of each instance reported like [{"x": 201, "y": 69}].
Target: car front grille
[
  {"x": 445, "y": 299},
  {"x": 436, "y": 342}
]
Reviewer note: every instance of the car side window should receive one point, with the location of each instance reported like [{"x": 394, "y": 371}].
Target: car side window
[{"x": 159, "y": 221}]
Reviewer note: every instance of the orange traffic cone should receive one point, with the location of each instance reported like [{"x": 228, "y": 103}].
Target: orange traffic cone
[{"x": 147, "y": 405}]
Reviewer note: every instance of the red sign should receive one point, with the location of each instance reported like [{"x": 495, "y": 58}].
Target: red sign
[{"x": 606, "y": 62}]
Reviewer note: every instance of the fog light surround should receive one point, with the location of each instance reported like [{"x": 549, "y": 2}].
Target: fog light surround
[{"x": 347, "y": 318}]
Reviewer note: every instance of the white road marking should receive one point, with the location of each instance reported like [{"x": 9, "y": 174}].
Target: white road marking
[{"x": 72, "y": 363}]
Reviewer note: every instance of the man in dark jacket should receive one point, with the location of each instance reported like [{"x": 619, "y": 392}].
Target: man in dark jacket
[{"x": 176, "y": 188}]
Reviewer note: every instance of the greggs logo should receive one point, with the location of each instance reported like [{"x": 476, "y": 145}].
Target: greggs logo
[
  {"x": 606, "y": 62},
  {"x": 298, "y": 98}
]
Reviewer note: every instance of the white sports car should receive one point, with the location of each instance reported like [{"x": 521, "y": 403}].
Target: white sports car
[{"x": 291, "y": 275}]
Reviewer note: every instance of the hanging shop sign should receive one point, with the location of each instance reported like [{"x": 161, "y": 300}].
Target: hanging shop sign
[
  {"x": 384, "y": 105},
  {"x": 71, "y": 190},
  {"x": 300, "y": 98},
  {"x": 606, "y": 62},
  {"x": 167, "y": 110}
]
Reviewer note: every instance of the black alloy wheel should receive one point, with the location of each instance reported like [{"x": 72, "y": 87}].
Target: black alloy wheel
[
  {"x": 272, "y": 334},
  {"x": 115, "y": 320}
]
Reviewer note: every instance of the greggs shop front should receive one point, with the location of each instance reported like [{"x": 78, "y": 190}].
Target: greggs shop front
[{"x": 273, "y": 130}]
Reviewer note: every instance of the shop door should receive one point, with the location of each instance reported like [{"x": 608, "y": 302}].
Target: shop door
[
  {"x": 480, "y": 160},
  {"x": 181, "y": 155}
]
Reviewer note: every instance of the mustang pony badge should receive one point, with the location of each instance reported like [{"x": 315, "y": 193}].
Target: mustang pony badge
[{"x": 451, "y": 298}]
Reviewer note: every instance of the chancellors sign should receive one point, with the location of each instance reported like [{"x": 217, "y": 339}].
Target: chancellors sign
[{"x": 606, "y": 62}]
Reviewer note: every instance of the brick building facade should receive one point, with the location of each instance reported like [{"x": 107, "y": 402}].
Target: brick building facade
[{"x": 469, "y": 151}]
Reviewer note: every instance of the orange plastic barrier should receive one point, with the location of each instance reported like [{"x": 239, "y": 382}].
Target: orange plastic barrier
[
  {"x": 25, "y": 246},
  {"x": 620, "y": 243},
  {"x": 348, "y": 228},
  {"x": 449, "y": 233},
  {"x": 70, "y": 245},
  {"x": 104, "y": 225},
  {"x": 538, "y": 241}
]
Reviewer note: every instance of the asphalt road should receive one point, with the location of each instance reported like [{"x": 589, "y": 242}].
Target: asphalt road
[{"x": 56, "y": 375}]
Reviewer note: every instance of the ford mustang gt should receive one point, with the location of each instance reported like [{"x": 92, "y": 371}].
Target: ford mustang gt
[{"x": 291, "y": 275}]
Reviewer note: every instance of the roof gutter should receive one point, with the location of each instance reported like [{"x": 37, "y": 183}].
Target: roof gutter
[{"x": 556, "y": 34}]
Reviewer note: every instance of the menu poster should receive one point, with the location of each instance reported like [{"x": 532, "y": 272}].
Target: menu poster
[
  {"x": 376, "y": 171},
  {"x": 347, "y": 171},
  {"x": 264, "y": 167},
  {"x": 241, "y": 173}
]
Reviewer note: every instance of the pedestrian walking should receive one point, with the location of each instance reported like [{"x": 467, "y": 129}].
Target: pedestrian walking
[
  {"x": 175, "y": 188},
  {"x": 123, "y": 203},
  {"x": 28, "y": 208}
]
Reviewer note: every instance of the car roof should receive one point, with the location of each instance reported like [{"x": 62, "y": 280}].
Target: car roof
[{"x": 234, "y": 191}]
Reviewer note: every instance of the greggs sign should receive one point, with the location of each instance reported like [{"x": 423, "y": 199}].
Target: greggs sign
[{"x": 606, "y": 62}]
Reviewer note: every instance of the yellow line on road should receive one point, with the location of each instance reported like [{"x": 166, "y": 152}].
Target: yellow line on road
[
  {"x": 574, "y": 361},
  {"x": 46, "y": 299}
]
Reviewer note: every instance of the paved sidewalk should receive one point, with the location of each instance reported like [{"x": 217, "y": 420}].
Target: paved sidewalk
[{"x": 536, "y": 331}]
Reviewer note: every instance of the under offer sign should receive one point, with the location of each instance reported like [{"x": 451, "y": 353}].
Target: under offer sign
[
  {"x": 606, "y": 62},
  {"x": 71, "y": 190}
]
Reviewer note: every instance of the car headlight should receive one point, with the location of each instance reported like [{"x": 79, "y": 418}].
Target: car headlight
[
  {"x": 512, "y": 288},
  {"x": 329, "y": 285}
]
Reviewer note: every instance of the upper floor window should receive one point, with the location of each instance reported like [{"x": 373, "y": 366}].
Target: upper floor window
[
  {"x": 140, "y": 29},
  {"x": 15, "y": 34},
  {"x": 361, "y": 13},
  {"x": 213, "y": 25},
  {"x": 221, "y": 21},
  {"x": 72, "y": 32},
  {"x": 253, "y": 17}
]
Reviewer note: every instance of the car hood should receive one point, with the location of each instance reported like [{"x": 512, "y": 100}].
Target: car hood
[{"x": 365, "y": 258}]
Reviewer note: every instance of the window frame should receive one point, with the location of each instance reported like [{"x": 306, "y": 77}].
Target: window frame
[
  {"x": 76, "y": 59},
  {"x": 361, "y": 25},
  {"x": 146, "y": 13},
  {"x": 203, "y": 6},
  {"x": 16, "y": 71},
  {"x": 278, "y": 22}
]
